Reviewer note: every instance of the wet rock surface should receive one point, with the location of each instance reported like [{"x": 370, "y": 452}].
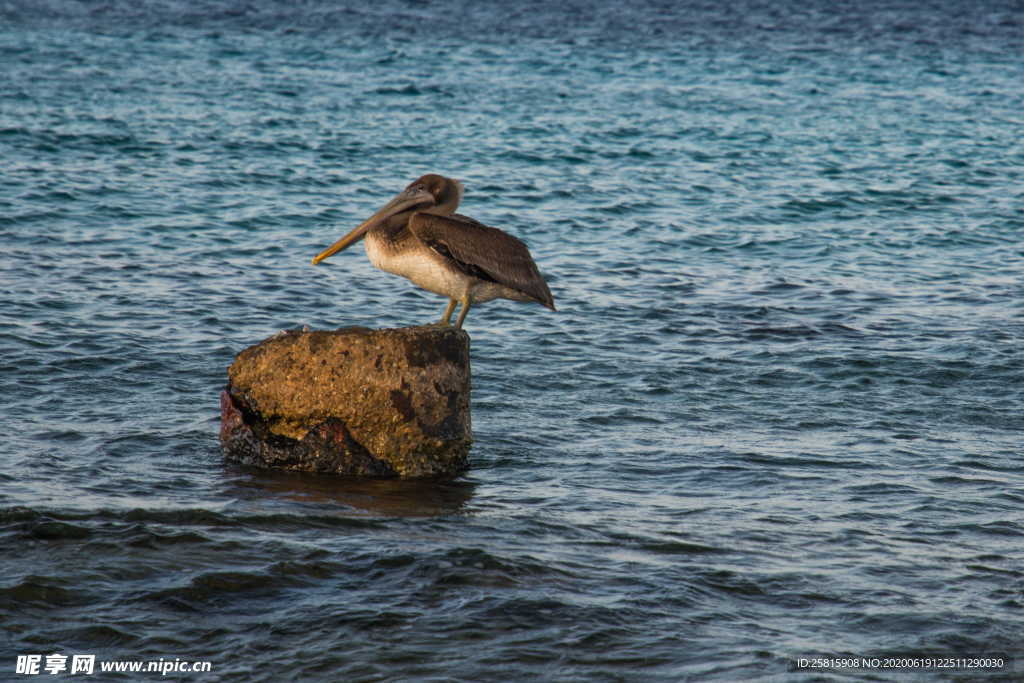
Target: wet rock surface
[{"x": 352, "y": 401}]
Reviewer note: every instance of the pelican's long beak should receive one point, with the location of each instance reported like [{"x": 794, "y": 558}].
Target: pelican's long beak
[{"x": 411, "y": 198}]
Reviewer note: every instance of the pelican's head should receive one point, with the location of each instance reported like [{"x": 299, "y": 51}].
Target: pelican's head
[
  {"x": 447, "y": 193},
  {"x": 431, "y": 193}
]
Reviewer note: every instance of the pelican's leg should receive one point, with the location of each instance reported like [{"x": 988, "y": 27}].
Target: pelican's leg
[
  {"x": 446, "y": 319},
  {"x": 465, "y": 309}
]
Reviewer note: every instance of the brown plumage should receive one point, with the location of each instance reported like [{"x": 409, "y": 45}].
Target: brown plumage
[{"x": 419, "y": 236}]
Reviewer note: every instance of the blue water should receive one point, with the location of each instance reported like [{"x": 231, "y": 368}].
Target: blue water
[{"x": 777, "y": 415}]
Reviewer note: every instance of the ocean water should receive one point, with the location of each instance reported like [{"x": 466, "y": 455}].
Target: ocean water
[{"x": 778, "y": 414}]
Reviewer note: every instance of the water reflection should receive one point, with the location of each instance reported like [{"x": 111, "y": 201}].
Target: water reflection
[{"x": 386, "y": 497}]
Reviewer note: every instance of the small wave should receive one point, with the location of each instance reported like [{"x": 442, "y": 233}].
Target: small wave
[
  {"x": 45, "y": 591},
  {"x": 216, "y": 586},
  {"x": 412, "y": 90}
]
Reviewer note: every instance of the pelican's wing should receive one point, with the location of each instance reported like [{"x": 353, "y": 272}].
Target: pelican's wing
[{"x": 483, "y": 252}]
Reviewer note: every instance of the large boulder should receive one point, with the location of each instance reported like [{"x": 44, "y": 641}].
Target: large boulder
[{"x": 351, "y": 401}]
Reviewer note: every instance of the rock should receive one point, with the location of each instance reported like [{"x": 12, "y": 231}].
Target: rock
[{"x": 351, "y": 401}]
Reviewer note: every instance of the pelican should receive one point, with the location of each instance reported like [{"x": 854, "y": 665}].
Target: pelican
[{"x": 419, "y": 236}]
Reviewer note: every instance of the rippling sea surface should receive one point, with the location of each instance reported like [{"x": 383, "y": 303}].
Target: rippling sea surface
[{"x": 777, "y": 415}]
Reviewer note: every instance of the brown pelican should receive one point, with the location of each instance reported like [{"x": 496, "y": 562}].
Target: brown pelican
[{"x": 419, "y": 236}]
